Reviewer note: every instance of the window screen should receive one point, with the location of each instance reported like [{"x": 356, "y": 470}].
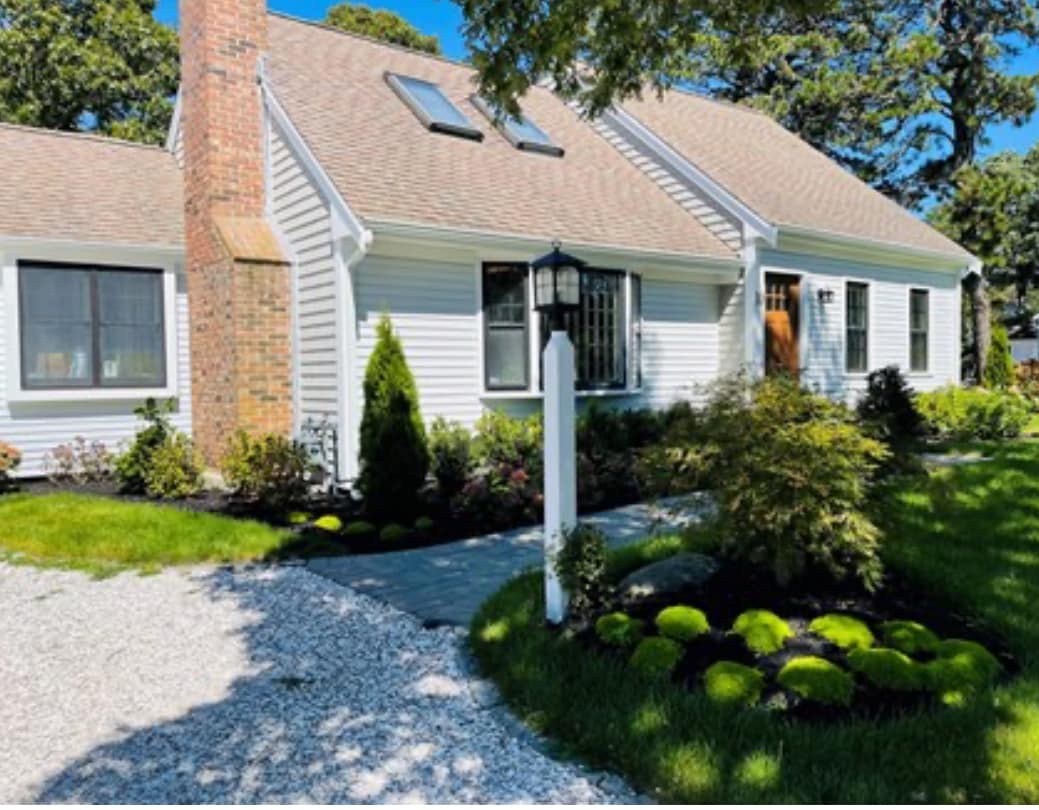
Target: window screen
[
  {"x": 919, "y": 328},
  {"x": 505, "y": 308},
  {"x": 857, "y": 326}
]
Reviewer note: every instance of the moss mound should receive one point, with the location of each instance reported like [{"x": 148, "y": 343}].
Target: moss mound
[
  {"x": 297, "y": 518},
  {"x": 424, "y": 524},
  {"x": 328, "y": 523},
  {"x": 846, "y": 632},
  {"x": 911, "y": 638},
  {"x": 888, "y": 669},
  {"x": 682, "y": 623},
  {"x": 619, "y": 630},
  {"x": 359, "y": 528},
  {"x": 394, "y": 533},
  {"x": 656, "y": 657},
  {"x": 733, "y": 684},
  {"x": 961, "y": 669},
  {"x": 818, "y": 680},
  {"x": 762, "y": 630}
]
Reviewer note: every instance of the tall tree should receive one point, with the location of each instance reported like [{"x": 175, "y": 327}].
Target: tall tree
[
  {"x": 101, "y": 65},
  {"x": 380, "y": 24}
]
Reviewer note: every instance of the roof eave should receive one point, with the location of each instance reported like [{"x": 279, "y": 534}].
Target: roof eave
[{"x": 797, "y": 237}]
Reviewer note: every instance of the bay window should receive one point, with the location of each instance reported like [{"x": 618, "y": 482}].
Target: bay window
[
  {"x": 605, "y": 329},
  {"x": 91, "y": 327}
]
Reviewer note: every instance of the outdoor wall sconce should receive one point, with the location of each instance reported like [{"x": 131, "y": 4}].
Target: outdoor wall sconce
[{"x": 825, "y": 295}]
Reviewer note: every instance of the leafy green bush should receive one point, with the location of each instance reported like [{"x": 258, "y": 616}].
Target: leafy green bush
[
  {"x": 394, "y": 533},
  {"x": 131, "y": 467},
  {"x": 888, "y": 669},
  {"x": 270, "y": 470},
  {"x": 424, "y": 524},
  {"x": 328, "y": 523},
  {"x": 656, "y": 657},
  {"x": 999, "y": 362},
  {"x": 10, "y": 458},
  {"x": 961, "y": 669},
  {"x": 449, "y": 450},
  {"x": 973, "y": 413},
  {"x": 909, "y": 637},
  {"x": 175, "y": 470},
  {"x": 297, "y": 518},
  {"x": 359, "y": 528},
  {"x": 682, "y": 623},
  {"x": 888, "y": 404},
  {"x": 763, "y": 631},
  {"x": 581, "y": 566},
  {"x": 394, "y": 456},
  {"x": 733, "y": 684},
  {"x": 503, "y": 440},
  {"x": 818, "y": 680},
  {"x": 619, "y": 629},
  {"x": 791, "y": 472},
  {"x": 846, "y": 632}
]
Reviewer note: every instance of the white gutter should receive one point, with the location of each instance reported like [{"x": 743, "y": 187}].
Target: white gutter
[
  {"x": 46, "y": 243},
  {"x": 888, "y": 249}
]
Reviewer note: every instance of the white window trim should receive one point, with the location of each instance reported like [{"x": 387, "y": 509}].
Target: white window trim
[
  {"x": 532, "y": 391},
  {"x": 98, "y": 256},
  {"x": 909, "y": 331},
  {"x": 870, "y": 307}
]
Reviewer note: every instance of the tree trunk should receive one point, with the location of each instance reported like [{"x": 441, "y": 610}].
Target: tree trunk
[{"x": 981, "y": 317}]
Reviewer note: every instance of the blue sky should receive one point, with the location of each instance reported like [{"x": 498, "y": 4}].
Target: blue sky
[{"x": 442, "y": 17}]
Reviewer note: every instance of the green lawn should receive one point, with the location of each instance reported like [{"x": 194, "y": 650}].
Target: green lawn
[
  {"x": 103, "y": 535},
  {"x": 969, "y": 534}
]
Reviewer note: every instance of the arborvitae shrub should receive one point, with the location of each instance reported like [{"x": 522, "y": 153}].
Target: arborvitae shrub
[{"x": 999, "y": 363}]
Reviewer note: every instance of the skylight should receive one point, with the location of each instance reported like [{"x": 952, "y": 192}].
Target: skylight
[
  {"x": 432, "y": 107},
  {"x": 520, "y": 132}
]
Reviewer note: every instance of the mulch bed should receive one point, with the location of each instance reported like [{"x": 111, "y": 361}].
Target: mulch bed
[{"x": 738, "y": 587}]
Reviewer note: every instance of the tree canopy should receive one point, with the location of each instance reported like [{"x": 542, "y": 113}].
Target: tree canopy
[
  {"x": 100, "y": 65},
  {"x": 382, "y": 25}
]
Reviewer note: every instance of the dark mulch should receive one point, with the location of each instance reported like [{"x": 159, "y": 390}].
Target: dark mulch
[{"x": 738, "y": 587}]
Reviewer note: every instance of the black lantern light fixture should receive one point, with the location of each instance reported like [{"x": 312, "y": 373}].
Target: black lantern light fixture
[
  {"x": 557, "y": 285},
  {"x": 825, "y": 295}
]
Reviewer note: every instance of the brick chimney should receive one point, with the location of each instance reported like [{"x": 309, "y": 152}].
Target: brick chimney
[{"x": 238, "y": 279}]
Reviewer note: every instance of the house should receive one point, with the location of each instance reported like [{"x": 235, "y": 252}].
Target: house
[{"x": 315, "y": 179}]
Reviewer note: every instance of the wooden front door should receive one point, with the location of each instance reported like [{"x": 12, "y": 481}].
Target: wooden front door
[{"x": 782, "y": 302}]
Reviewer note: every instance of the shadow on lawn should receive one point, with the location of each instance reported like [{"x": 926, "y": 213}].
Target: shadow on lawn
[{"x": 314, "y": 717}]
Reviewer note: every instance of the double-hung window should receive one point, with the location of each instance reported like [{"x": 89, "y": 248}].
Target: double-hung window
[
  {"x": 919, "y": 329},
  {"x": 856, "y": 327},
  {"x": 605, "y": 330},
  {"x": 91, "y": 327}
]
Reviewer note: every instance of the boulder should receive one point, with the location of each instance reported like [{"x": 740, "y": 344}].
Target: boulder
[{"x": 657, "y": 581}]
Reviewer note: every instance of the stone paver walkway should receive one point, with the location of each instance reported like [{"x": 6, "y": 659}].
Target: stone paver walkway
[{"x": 446, "y": 584}]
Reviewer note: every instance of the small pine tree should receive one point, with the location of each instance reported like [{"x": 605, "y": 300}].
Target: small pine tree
[
  {"x": 394, "y": 453},
  {"x": 999, "y": 365}
]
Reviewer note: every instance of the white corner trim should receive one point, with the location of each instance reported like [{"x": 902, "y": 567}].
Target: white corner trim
[
  {"x": 174, "y": 130},
  {"x": 347, "y": 257},
  {"x": 344, "y": 221},
  {"x": 683, "y": 167}
]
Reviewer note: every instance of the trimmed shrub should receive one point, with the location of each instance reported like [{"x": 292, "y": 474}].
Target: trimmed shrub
[
  {"x": 297, "y": 518},
  {"x": 328, "y": 523},
  {"x": 394, "y": 533},
  {"x": 792, "y": 472},
  {"x": 449, "y": 451},
  {"x": 502, "y": 440},
  {"x": 999, "y": 362},
  {"x": 581, "y": 566},
  {"x": 961, "y": 669},
  {"x": 818, "y": 680},
  {"x": 682, "y": 623},
  {"x": 394, "y": 456},
  {"x": 176, "y": 469},
  {"x": 763, "y": 631},
  {"x": 846, "y": 632},
  {"x": 911, "y": 638},
  {"x": 656, "y": 657},
  {"x": 270, "y": 469},
  {"x": 359, "y": 528},
  {"x": 619, "y": 629},
  {"x": 888, "y": 404},
  {"x": 973, "y": 413},
  {"x": 131, "y": 467},
  {"x": 424, "y": 524},
  {"x": 10, "y": 458},
  {"x": 78, "y": 462},
  {"x": 733, "y": 684},
  {"x": 888, "y": 669}
]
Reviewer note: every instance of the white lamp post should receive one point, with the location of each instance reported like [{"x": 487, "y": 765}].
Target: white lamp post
[{"x": 557, "y": 290}]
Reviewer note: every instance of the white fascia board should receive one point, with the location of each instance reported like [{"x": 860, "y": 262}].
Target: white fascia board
[
  {"x": 796, "y": 238},
  {"x": 682, "y": 167},
  {"x": 345, "y": 223},
  {"x": 174, "y": 130},
  {"x": 472, "y": 243}
]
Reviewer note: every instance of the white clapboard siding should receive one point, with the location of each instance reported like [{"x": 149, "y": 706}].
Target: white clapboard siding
[
  {"x": 823, "y": 341},
  {"x": 303, "y": 217},
  {"x": 35, "y": 428}
]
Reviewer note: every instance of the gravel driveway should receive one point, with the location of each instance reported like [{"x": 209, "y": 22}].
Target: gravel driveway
[{"x": 254, "y": 685}]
